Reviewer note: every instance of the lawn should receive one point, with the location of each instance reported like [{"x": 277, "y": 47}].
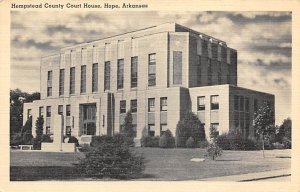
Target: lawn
[{"x": 161, "y": 164}]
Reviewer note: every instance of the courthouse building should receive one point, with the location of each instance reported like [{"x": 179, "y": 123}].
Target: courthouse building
[{"x": 158, "y": 73}]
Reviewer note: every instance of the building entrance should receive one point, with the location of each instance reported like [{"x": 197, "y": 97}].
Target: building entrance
[{"x": 88, "y": 119}]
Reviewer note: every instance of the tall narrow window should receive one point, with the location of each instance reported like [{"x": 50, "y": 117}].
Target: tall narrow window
[
  {"x": 61, "y": 81},
  {"x": 48, "y": 111},
  {"x": 134, "y": 71},
  {"x": 133, "y": 106},
  {"x": 199, "y": 71},
  {"x": 49, "y": 84},
  {"x": 95, "y": 77},
  {"x": 177, "y": 67},
  {"x": 236, "y": 102},
  {"x": 209, "y": 71},
  {"x": 72, "y": 80},
  {"x": 122, "y": 106},
  {"x": 68, "y": 110},
  {"x": 201, "y": 103},
  {"x": 120, "y": 74},
  {"x": 48, "y": 120},
  {"x": 83, "y": 79},
  {"x": 152, "y": 70},
  {"x": 60, "y": 110},
  {"x": 163, "y": 104},
  {"x": 41, "y": 111},
  {"x": 214, "y": 102},
  {"x": 68, "y": 120},
  {"x": 151, "y": 130},
  {"x": 242, "y": 103},
  {"x": 151, "y": 104},
  {"x": 29, "y": 113},
  {"x": 107, "y": 76},
  {"x": 219, "y": 73}
]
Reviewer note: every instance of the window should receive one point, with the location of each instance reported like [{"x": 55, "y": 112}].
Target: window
[
  {"x": 247, "y": 104},
  {"x": 48, "y": 114},
  {"x": 29, "y": 113},
  {"x": 68, "y": 130},
  {"x": 95, "y": 77},
  {"x": 151, "y": 130},
  {"x": 163, "y": 104},
  {"x": 236, "y": 102},
  {"x": 209, "y": 71},
  {"x": 41, "y": 111},
  {"x": 49, "y": 84},
  {"x": 219, "y": 73},
  {"x": 199, "y": 71},
  {"x": 61, "y": 81},
  {"x": 134, "y": 71},
  {"x": 177, "y": 67},
  {"x": 201, "y": 103},
  {"x": 163, "y": 128},
  {"x": 72, "y": 80},
  {"x": 83, "y": 79},
  {"x": 68, "y": 110},
  {"x": 228, "y": 74},
  {"x": 122, "y": 106},
  {"x": 214, "y": 102},
  {"x": 151, "y": 105},
  {"x": 241, "y": 103},
  {"x": 216, "y": 126},
  {"x": 60, "y": 110},
  {"x": 133, "y": 106},
  {"x": 152, "y": 70},
  {"x": 120, "y": 74},
  {"x": 107, "y": 76}
]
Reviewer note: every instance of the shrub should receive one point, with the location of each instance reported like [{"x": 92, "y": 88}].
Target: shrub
[
  {"x": 287, "y": 143},
  {"x": 190, "y": 143},
  {"x": 46, "y": 139},
  {"x": 37, "y": 143},
  {"x": 73, "y": 139},
  {"x": 278, "y": 145},
  {"x": 213, "y": 150},
  {"x": 148, "y": 141},
  {"x": 190, "y": 126},
  {"x": 202, "y": 144},
  {"x": 108, "y": 157},
  {"x": 167, "y": 140},
  {"x": 127, "y": 129},
  {"x": 16, "y": 139}
]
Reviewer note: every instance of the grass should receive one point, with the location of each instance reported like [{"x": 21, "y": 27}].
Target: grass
[{"x": 161, "y": 164}]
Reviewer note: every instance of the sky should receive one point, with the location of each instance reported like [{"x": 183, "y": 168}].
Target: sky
[{"x": 262, "y": 40}]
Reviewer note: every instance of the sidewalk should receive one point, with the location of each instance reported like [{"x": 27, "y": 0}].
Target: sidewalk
[{"x": 258, "y": 176}]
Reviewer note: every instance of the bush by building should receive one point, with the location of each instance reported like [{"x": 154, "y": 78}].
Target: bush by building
[
  {"x": 188, "y": 127},
  {"x": 109, "y": 157},
  {"x": 127, "y": 129},
  {"x": 148, "y": 141},
  {"x": 167, "y": 140},
  {"x": 190, "y": 143}
]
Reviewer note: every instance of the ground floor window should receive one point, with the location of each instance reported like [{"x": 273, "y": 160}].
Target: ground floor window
[
  {"x": 163, "y": 128},
  {"x": 48, "y": 130},
  {"x": 216, "y": 126},
  {"x": 68, "y": 130},
  {"x": 151, "y": 130}
]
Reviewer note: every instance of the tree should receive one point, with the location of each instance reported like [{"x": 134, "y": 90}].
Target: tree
[
  {"x": 26, "y": 132},
  {"x": 167, "y": 140},
  {"x": 39, "y": 132},
  {"x": 127, "y": 129},
  {"x": 284, "y": 134},
  {"x": 213, "y": 150},
  {"x": 188, "y": 127},
  {"x": 264, "y": 123}
]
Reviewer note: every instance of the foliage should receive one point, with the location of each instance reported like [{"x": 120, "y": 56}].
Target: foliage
[
  {"x": 213, "y": 150},
  {"x": 202, "y": 144},
  {"x": 109, "y": 157},
  {"x": 234, "y": 141},
  {"x": 287, "y": 143},
  {"x": 148, "y": 141},
  {"x": 17, "y": 98},
  {"x": 190, "y": 126},
  {"x": 39, "y": 132},
  {"x": 190, "y": 143},
  {"x": 16, "y": 139},
  {"x": 284, "y": 131},
  {"x": 73, "y": 139},
  {"x": 264, "y": 122},
  {"x": 167, "y": 140},
  {"x": 26, "y": 132},
  {"x": 46, "y": 139},
  {"x": 127, "y": 129}
]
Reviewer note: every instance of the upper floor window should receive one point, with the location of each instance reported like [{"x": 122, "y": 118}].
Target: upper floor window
[
  {"x": 134, "y": 71},
  {"x": 151, "y": 104},
  {"x": 214, "y": 102},
  {"x": 152, "y": 70},
  {"x": 163, "y": 104},
  {"x": 60, "y": 110},
  {"x": 236, "y": 102},
  {"x": 247, "y": 104},
  {"x": 120, "y": 74},
  {"x": 49, "y": 84},
  {"x": 133, "y": 106},
  {"x": 61, "y": 81},
  {"x": 29, "y": 113},
  {"x": 177, "y": 67},
  {"x": 95, "y": 77},
  {"x": 123, "y": 106},
  {"x": 241, "y": 103},
  {"x": 107, "y": 76},
  {"x": 83, "y": 79},
  {"x": 41, "y": 111},
  {"x": 68, "y": 110},
  {"x": 201, "y": 103},
  {"x": 72, "y": 80}
]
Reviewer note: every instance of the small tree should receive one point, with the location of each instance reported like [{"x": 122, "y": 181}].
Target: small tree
[
  {"x": 188, "y": 127},
  {"x": 213, "y": 150},
  {"x": 284, "y": 134},
  {"x": 26, "y": 131},
  {"x": 39, "y": 132},
  {"x": 167, "y": 140},
  {"x": 264, "y": 123},
  {"x": 127, "y": 129}
]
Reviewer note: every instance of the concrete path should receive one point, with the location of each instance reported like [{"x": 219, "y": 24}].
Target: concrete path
[{"x": 274, "y": 175}]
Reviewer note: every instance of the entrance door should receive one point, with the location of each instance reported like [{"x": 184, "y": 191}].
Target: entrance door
[{"x": 88, "y": 112}]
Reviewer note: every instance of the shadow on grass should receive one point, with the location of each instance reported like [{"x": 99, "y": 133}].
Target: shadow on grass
[{"x": 35, "y": 173}]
